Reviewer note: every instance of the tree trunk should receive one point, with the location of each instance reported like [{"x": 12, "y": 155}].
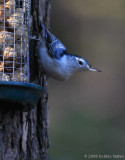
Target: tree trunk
[{"x": 24, "y": 135}]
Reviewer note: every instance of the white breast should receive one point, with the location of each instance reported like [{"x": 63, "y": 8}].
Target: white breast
[{"x": 55, "y": 68}]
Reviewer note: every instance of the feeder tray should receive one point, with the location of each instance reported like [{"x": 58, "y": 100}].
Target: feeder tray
[{"x": 25, "y": 94}]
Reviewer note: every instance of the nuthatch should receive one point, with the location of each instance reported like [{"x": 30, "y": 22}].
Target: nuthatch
[{"x": 57, "y": 62}]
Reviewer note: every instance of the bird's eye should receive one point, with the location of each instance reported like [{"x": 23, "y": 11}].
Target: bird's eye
[{"x": 80, "y": 62}]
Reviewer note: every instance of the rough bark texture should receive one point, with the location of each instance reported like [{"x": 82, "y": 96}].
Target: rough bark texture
[{"x": 24, "y": 135}]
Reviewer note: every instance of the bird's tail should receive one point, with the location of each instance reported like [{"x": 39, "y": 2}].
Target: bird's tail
[
  {"x": 44, "y": 30},
  {"x": 46, "y": 33}
]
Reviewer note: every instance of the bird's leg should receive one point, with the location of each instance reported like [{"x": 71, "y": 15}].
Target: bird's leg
[{"x": 34, "y": 37}]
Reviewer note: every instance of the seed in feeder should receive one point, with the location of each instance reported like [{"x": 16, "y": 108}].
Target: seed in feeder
[
  {"x": 21, "y": 48},
  {"x": 19, "y": 76},
  {"x": 2, "y": 26},
  {"x": 1, "y": 12},
  {"x": 23, "y": 77},
  {"x": 19, "y": 62},
  {"x": 1, "y": 52},
  {"x": 21, "y": 32},
  {"x": 10, "y": 4},
  {"x": 5, "y": 77},
  {"x": 1, "y": 66},
  {"x": 6, "y": 38},
  {"x": 9, "y": 53},
  {"x": 21, "y": 43},
  {"x": 3, "y": 1},
  {"x": 15, "y": 20},
  {"x": 20, "y": 10},
  {"x": 4, "y": 13},
  {"x": 20, "y": 51},
  {"x": 9, "y": 66}
]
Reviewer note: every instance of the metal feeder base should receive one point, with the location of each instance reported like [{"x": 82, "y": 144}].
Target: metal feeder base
[{"x": 24, "y": 94}]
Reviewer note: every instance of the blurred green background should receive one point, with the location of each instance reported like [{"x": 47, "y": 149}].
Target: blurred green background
[{"x": 87, "y": 113}]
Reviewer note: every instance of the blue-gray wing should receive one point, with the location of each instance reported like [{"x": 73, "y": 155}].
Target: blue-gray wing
[{"x": 56, "y": 49}]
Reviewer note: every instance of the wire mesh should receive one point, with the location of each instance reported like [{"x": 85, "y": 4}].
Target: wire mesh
[{"x": 14, "y": 40}]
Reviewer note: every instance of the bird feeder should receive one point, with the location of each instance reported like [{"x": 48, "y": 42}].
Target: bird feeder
[{"x": 14, "y": 54}]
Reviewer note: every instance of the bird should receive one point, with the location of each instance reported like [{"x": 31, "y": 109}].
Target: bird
[{"x": 56, "y": 61}]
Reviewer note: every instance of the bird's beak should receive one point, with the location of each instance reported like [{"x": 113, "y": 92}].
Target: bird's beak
[{"x": 94, "y": 69}]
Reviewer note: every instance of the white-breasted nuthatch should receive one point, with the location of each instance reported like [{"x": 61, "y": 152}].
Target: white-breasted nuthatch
[{"x": 56, "y": 60}]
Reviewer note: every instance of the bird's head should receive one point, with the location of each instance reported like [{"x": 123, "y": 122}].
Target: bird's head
[{"x": 82, "y": 64}]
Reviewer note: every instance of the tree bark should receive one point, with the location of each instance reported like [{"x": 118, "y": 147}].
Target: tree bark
[{"x": 24, "y": 135}]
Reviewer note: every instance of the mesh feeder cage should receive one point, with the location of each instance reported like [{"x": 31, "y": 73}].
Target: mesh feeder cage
[{"x": 14, "y": 54}]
